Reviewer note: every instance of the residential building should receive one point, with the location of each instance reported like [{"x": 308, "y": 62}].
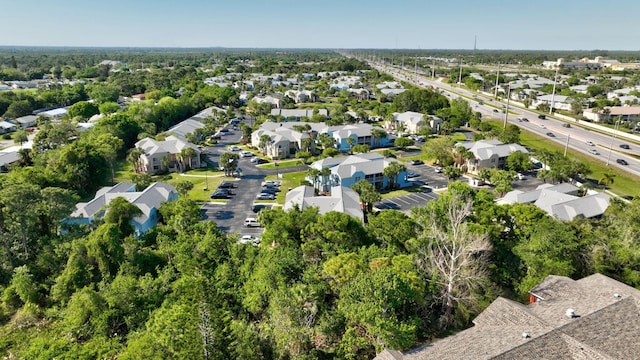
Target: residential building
[
  {"x": 154, "y": 153},
  {"x": 11, "y": 155},
  {"x": 341, "y": 199},
  {"x": 591, "y": 318},
  {"x": 148, "y": 201},
  {"x": 626, "y": 113},
  {"x": 348, "y": 170},
  {"x": 274, "y": 101},
  {"x": 54, "y": 113},
  {"x": 361, "y": 133},
  {"x": 557, "y": 101},
  {"x": 298, "y": 114},
  {"x": 392, "y": 92},
  {"x": 185, "y": 127},
  {"x": 301, "y": 96},
  {"x": 26, "y": 121},
  {"x": 489, "y": 154},
  {"x": 412, "y": 122},
  {"x": 7, "y": 127},
  {"x": 561, "y": 201},
  {"x": 284, "y": 140}
]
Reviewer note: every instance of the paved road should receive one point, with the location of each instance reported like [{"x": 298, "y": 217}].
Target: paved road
[{"x": 575, "y": 137}]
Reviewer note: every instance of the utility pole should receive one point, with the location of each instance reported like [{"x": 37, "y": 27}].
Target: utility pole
[
  {"x": 553, "y": 94},
  {"x": 433, "y": 69},
  {"x": 460, "y": 76},
  {"x": 506, "y": 113},
  {"x": 566, "y": 145},
  {"x": 615, "y": 132},
  {"x": 497, "y": 77}
]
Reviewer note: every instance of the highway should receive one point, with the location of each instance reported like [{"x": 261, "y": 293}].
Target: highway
[{"x": 606, "y": 148}]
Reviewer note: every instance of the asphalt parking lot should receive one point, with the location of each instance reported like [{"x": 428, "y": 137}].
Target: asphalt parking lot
[
  {"x": 406, "y": 202},
  {"x": 427, "y": 175}
]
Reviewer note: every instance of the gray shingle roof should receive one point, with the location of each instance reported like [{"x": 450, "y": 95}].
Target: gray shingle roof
[
  {"x": 342, "y": 200},
  {"x": 607, "y": 325}
]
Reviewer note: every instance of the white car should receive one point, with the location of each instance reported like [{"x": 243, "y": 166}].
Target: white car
[
  {"x": 438, "y": 169},
  {"x": 520, "y": 176},
  {"x": 271, "y": 183},
  {"x": 542, "y": 126},
  {"x": 265, "y": 196},
  {"x": 244, "y": 154},
  {"x": 590, "y": 143},
  {"x": 234, "y": 148},
  {"x": 594, "y": 152},
  {"x": 251, "y": 222},
  {"x": 249, "y": 239}
]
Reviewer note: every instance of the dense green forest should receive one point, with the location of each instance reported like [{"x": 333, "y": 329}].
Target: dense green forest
[{"x": 317, "y": 287}]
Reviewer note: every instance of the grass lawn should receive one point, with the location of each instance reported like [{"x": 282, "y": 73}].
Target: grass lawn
[
  {"x": 624, "y": 184},
  {"x": 281, "y": 164},
  {"x": 400, "y": 192},
  {"x": 289, "y": 181}
]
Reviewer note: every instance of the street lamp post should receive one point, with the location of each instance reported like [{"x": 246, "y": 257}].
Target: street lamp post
[{"x": 615, "y": 132}]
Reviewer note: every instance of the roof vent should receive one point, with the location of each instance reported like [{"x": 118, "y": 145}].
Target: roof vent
[
  {"x": 616, "y": 295},
  {"x": 525, "y": 335},
  {"x": 570, "y": 313}
]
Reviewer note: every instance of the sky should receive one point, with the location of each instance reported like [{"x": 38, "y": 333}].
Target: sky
[{"x": 390, "y": 24}]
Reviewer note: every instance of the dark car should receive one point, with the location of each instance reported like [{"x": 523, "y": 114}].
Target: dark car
[
  {"x": 220, "y": 194},
  {"x": 259, "y": 207},
  {"x": 415, "y": 162},
  {"x": 270, "y": 190},
  {"x": 622, "y": 162},
  {"x": 260, "y": 161},
  {"x": 495, "y": 110},
  {"x": 525, "y": 119},
  {"x": 550, "y": 134},
  {"x": 542, "y": 116},
  {"x": 566, "y": 125},
  {"x": 224, "y": 130},
  {"x": 625, "y": 146},
  {"x": 226, "y": 185}
]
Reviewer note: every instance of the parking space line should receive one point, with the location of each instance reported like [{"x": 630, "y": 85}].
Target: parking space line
[{"x": 399, "y": 198}]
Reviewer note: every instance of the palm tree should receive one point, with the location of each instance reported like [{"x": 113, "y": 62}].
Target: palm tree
[
  {"x": 351, "y": 141},
  {"x": 188, "y": 153},
  {"x": 313, "y": 174},
  {"x": 606, "y": 179},
  {"x": 262, "y": 144},
  {"x": 134, "y": 159},
  {"x": 377, "y": 135},
  {"x": 391, "y": 172},
  {"x": 324, "y": 174}
]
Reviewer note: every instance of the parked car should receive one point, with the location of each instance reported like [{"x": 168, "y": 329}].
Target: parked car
[
  {"x": 257, "y": 160},
  {"x": 251, "y": 222},
  {"x": 622, "y": 161},
  {"x": 520, "y": 176},
  {"x": 415, "y": 162},
  {"x": 249, "y": 239},
  {"x": 438, "y": 169},
  {"x": 259, "y": 207},
  {"x": 625, "y": 146},
  {"x": 550, "y": 134},
  {"x": 244, "y": 154},
  {"x": 234, "y": 148},
  {"x": 224, "y": 130},
  {"x": 220, "y": 194},
  {"x": 227, "y": 185},
  {"x": 265, "y": 196},
  {"x": 590, "y": 143},
  {"x": 411, "y": 174},
  {"x": 271, "y": 183},
  {"x": 270, "y": 190}
]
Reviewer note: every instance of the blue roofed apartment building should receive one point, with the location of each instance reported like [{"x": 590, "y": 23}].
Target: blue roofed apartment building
[
  {"x": 348, "y": 170},
  {"x": 148, "y": 201}
]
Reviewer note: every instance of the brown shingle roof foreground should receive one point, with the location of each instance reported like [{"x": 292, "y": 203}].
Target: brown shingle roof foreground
[{"x": 606, "y": 325}]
